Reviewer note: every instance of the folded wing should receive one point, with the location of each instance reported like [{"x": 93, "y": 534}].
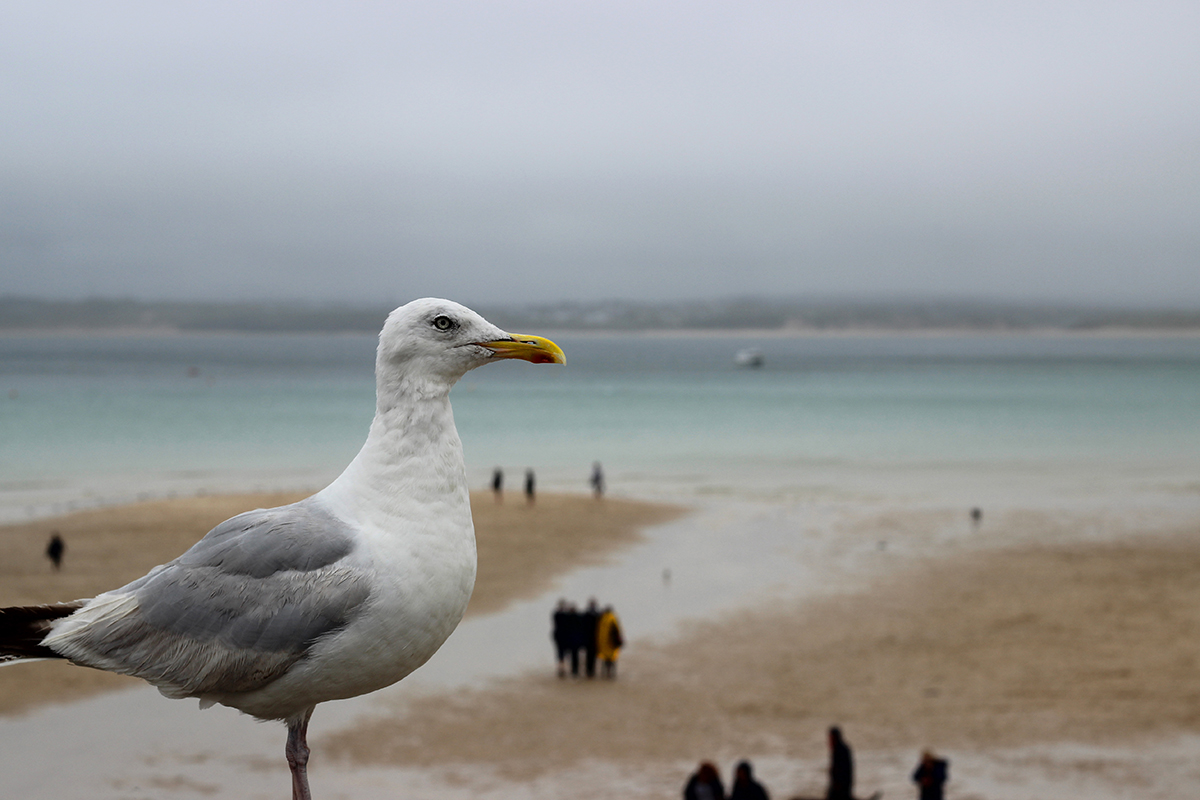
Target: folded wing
[{"x": 231, "y": 614}]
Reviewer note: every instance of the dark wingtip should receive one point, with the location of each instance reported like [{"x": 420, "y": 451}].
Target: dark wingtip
[{"x": 22, "y": 629}]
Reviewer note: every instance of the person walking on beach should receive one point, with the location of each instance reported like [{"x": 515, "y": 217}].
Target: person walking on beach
[
  {"x": 744, "y": 785},
  {"x": 608, "y": 642},
  {"x": 841, "y": 767},
  {"x": 597, "y": 480},
  {"x": 704, "y": 784},
  {"x": 589, "y": 621},
  {"x": 530, "y": 486},
  {"x": 575, "y": 637},
  {"x": 498, "y": 484},
  {"x": 55, "y": 550},
  {"x": 563, "y": 635},
  {"x": 931, "y": 776}
]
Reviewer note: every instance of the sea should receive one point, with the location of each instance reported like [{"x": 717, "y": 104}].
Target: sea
[
  {"x": 841, "y": 459},
  {"x": 95, "y": 419}
]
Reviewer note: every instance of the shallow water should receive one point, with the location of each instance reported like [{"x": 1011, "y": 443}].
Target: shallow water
[
  {"x": 780, "y": 463},
  {"x": 93, "y": 420}
]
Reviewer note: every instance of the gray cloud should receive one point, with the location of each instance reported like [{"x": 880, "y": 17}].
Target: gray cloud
[{"x": 542, "y": 151}]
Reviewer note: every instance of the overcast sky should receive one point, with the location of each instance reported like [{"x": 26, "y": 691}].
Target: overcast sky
[{"x": 524, "y": 151}]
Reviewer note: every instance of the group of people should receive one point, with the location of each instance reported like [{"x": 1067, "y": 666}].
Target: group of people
[
  {"x": 595, "y": 480},
  {"x": 705, "y": 784},
  {"x": 498, "y": 485},
  {"x": 930, "y": 776},
  {"x": 593, "y": 634}
]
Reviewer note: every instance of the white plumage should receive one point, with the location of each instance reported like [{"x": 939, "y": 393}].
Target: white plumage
[{"x": 341, "y": 594}]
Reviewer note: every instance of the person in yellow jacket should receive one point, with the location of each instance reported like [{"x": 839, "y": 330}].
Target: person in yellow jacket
[{"x": 608, "y": 642}]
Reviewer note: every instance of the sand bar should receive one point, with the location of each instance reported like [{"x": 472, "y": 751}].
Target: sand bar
[
  {"x": 1051, "y": 654},
  {"x": 522, "y": 548},
  {"x": 1089, "y": 641}
]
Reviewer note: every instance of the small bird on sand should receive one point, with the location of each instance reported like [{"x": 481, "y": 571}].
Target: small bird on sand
[{"x": 341, "y": 594}]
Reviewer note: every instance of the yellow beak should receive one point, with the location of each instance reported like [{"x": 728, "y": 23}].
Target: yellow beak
[{"x": 533, "y": 349}]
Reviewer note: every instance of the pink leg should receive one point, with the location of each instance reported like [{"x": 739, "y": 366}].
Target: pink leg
[{"x": 297, "y": 755}]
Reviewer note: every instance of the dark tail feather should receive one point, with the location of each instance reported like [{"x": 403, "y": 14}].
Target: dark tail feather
[{"x": 22, "y": 629}]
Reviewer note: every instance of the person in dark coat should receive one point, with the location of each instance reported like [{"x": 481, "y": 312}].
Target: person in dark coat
[
  {"x": 498, "y": 484},
  {"x": 931, "y": 776},
  {"x": 563, "y": 636},
  {"x": 597, "y": 480},
  {"x": 55, "y": 550},
  {"x": 841, "y": 767},
  {"x": 589, "y": 622},
  {"x": 744, "y": 785},
  {"x": 704, "y": 784},
  {"x": 530, "y": 486},
  {"x": 575, "y": 637}
]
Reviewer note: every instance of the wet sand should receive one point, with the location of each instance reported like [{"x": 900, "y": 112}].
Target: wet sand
[
  {"x": 987, "y": 651},
  {"x": 522, "y": 548},
  {"x": 1054, "y": 654},
  {"x": 1083, "y": 643}
]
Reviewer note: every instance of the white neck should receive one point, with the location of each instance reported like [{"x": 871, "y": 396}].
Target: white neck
[{"x": 411, "y": 465}]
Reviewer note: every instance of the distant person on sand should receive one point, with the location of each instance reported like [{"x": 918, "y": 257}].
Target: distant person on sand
[
  {"x": 55, "y": 550},
  {"x": 841, "y": 767},
  {"x": 530, "y": 486},
  {"x": 498, "y": 484},
  {"x": 744, "y": 785},
  {"x": 608, "y": 642},
  {"x": 563, "y": 635},
  {"x": 705, "y": 784},
  {"x": 976, "y": 516},
  {"x": 931, "y": 776},
  {"x": 597, "y": 480},
  {"x": 589, "y": 620}
]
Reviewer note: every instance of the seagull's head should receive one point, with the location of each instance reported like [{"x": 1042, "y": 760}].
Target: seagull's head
[{"x": 438, "y": 341}]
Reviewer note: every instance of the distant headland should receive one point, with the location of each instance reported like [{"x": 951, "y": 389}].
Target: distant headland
[{"x": 730, "y": 314}]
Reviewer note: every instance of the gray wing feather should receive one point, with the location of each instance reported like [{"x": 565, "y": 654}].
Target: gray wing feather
[
  {"x": 287, "y": 611},
  {"x": 302, "y": 536},
  {"x": 237, "y": 609}
]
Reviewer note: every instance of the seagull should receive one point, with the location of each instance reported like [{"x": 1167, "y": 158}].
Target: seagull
[{"x": 340, "y": 594}]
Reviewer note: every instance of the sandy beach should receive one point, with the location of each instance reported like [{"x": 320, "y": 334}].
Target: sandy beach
[
  {"x": 522, "y": 548},
  {"x": 989, "y": 654},
  {"x": 1059, "y": 647},
  {"x": 1087, "y": 643}
]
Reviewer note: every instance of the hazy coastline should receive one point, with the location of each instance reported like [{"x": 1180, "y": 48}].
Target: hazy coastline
[{"x": 730, "y": 316}]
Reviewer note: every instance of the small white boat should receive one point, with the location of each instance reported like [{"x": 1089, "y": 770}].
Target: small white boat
[{"x": 749, "y": 357}]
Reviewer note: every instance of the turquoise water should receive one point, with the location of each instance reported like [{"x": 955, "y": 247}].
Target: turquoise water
[
  {"x": 89, "y": 419},
  {"x": 99, "y": 419}
]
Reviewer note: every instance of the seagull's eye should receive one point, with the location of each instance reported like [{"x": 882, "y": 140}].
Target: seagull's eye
[{"x": 443, "y": 323}]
